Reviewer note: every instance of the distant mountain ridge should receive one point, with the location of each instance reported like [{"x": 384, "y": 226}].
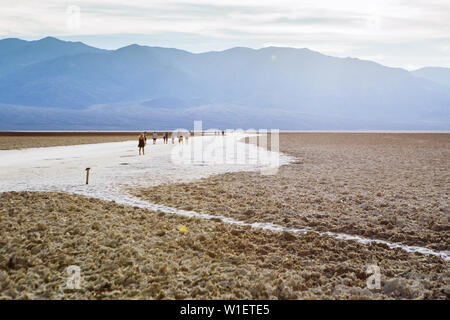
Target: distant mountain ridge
[
  {"x": 436, "y": 74},
  {"x": 16, "y": 54},
  {"x": 298, "y": 88}
]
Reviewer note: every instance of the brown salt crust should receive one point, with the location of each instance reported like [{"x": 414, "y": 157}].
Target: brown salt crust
[
  {"x": 392, "y": 187},
  {"x": 10, "y": 141},
  {"x": 127, "y": 252}
]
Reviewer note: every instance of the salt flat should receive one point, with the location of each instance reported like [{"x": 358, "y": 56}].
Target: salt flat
[
  {"x": 117, "y": 173},
  {"x": 116, "y": 166},
  {"x": 131, "y": 252}
]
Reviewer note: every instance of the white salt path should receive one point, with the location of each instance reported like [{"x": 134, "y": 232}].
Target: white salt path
[{"x": 117, "y": 166}]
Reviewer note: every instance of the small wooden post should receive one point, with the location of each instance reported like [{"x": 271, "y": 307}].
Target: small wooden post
[{"x": 87, "y": 175}]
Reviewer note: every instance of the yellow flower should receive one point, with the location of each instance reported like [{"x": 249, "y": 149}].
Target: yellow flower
[{"x": 183, "y": 229}]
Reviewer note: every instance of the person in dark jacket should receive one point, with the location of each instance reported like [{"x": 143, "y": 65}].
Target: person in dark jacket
[{"x": 141, "y": 143}]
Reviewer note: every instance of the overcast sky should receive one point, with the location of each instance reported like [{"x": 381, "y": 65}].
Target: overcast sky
[{"x": 401, "y": 33}]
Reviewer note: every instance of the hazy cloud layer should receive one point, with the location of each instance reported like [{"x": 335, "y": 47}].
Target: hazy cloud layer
[{"x": 405, "y": 33}]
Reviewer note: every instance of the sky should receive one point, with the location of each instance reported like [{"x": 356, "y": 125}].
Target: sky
[{"x": 400, "y": 33}]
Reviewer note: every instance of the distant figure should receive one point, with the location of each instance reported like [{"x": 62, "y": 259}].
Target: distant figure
[
  {"x": 155, "y": 136},
  {"x": 173, "y": 138},
  {"x": 141, "y": 144},
  {"x": 223, "y": 132},
  {"x": 180, "y": 137},
  {"x": 166, "y": 137}
]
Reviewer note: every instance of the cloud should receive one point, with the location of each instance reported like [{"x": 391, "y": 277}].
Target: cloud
[{"x": 345, "y": 27}]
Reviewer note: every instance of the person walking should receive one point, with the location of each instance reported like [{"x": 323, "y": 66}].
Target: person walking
[
  {"x": 141, "y": 143},
  {"x": 155, "y": 136}
]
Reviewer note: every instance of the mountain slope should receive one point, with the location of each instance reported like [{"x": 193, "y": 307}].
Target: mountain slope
[
  {"x": 81, "y": 80},
  {"x": 436, "y": 74},
  {"x": 281, "y": 86},
  {"x": 16, "y": 54}
]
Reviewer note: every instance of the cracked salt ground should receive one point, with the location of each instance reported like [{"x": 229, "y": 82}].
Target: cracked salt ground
[
  {"x": 267, "y": 226},
  {"x": 62, "y": 169}
]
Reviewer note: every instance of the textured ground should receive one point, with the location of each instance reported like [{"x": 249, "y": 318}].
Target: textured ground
[
  {"x": 19, "y": 140},
  {"x": 131, "y": 253},
  {"x": 393, "y": 187},
  {"x": 386, "y": 186}
]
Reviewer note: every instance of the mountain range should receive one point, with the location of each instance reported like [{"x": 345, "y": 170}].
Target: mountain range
[{"x": 50, "y": 84}]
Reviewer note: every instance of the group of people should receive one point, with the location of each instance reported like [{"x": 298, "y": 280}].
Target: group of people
[{"x": 180, "y": 135}]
